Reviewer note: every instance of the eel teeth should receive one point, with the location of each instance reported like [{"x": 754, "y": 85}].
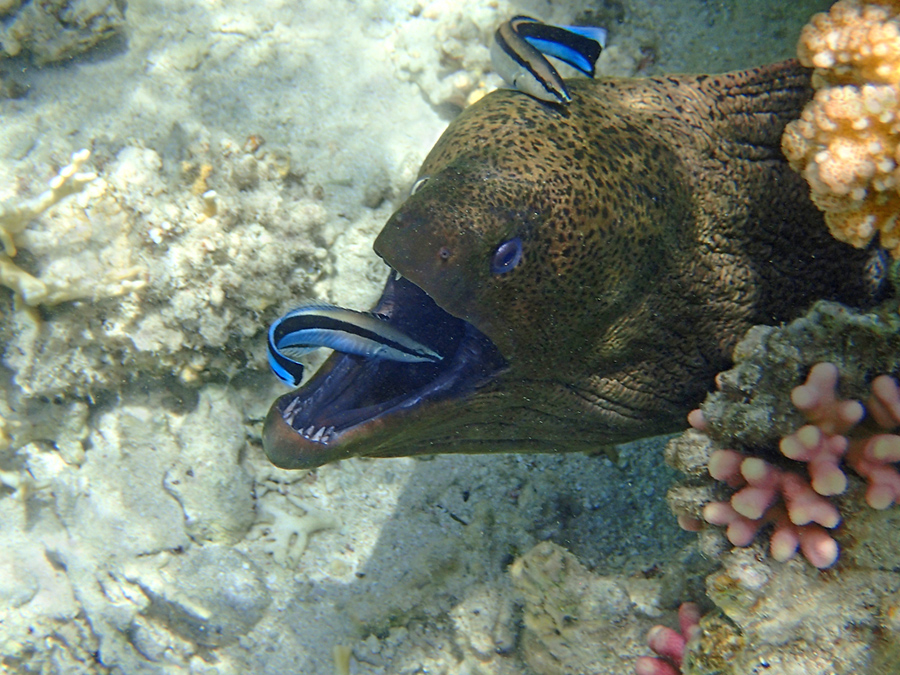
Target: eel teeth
[
  {"x": 291, "y": 410},
  {"x": 315, "y": 434}
]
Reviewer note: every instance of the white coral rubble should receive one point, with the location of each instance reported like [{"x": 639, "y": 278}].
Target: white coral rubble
[
  {"x": 285, "y": 532},
  {"x": 15, "y": 216}
]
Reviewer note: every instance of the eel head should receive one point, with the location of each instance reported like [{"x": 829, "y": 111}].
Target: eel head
[{"x": 507, "y": 263}]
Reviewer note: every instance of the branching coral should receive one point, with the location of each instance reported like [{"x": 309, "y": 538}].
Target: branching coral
[
  {"x": 782, "y": 452},
  {"x": 794, "y": 500},
  {"x": 847, "y": 141},
  {"x": 14, "y": 217},
  {"x": 285, "y": 534}
]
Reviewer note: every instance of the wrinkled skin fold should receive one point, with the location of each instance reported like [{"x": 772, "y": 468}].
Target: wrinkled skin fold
[{"x": 658, "y": 222}]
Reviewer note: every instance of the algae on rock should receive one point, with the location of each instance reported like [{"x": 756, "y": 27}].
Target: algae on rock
[{"x": 575, "y": 621}]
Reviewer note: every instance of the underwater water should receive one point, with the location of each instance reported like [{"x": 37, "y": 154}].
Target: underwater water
[{"x": 246, "y": 156}]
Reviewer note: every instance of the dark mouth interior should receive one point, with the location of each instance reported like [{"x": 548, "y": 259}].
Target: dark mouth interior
[{"x": 351, "y": 390}]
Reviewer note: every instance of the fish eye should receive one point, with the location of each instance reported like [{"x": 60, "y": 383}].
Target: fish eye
[
  {"x": 418, "y": 185},
  {"x": 506, "y": 256}
]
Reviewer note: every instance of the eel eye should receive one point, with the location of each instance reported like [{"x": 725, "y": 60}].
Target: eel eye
[
  {"x": 507, "y": 256},
  {"x": 418, "y": 185}
]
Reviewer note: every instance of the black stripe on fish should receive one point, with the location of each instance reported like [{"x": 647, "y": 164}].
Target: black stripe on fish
[
  {"x": 517, "y": 55},
  {"x": 344, "y": 330}
]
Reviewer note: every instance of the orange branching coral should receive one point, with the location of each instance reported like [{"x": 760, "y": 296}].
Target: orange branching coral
[{"x": 847, "y": 141}]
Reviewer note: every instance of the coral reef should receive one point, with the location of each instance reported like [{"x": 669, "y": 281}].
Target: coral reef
[
  {"x": 57, "y": 29},
  {"x": 215, "y": 491},
  {"x": 145, "y": 235},
  {"x": 847, "y": 141},
  {"x": 210, "y": 596},
  {"x": 485, "y": 622},
  {"x": 799, "y": 443},
  {"x": 784, "y": 448},
  {"x": 790, "y": 618},
  {"x": 134, "y": 561}
]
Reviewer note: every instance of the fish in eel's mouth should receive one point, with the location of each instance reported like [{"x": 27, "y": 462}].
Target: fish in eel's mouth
[{"x": 352, "y": 400}]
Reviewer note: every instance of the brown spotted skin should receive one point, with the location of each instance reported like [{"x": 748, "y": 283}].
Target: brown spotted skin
[{"x": 659, "y": 221}]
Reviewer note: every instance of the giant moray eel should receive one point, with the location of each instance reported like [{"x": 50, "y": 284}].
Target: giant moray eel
[{"x": 585, "y": 271}]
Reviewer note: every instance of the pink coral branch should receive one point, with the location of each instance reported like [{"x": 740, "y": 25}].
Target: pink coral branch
[
  {"x": 817, "y": 400},
  {"x": 818, "y": 546},
  {"x": 823, "y": 455},
  {"x": 873, "y": 458},
  {"x": 884, "y": 403},
  {"x": 669, "y": 645}
]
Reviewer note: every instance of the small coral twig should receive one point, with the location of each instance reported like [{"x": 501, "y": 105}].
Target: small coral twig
[
  {"x": 286, "y": 534},
  {"x": 817, "y": 400},
  {"x": 14, "y": 217},
  {"x": 669, "y": 645},
  {"x": 873, "y": 457},
  {"x": 795, "y": 502}
]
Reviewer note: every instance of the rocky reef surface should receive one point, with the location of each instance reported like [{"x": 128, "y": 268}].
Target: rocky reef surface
[
  {"x": 772, "y": 603},
  {"x": 246, "y": 154}
]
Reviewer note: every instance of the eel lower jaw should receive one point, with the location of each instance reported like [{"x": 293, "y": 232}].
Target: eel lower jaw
[{"x": 353, "y": 405}]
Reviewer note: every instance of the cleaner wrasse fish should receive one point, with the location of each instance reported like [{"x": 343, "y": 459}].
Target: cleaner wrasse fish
[
  {"x": 517, "y": 55},
  {"x": 343, "y": 330}
]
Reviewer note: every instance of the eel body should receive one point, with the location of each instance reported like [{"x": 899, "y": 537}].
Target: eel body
[{"x": 647, "y": 225}]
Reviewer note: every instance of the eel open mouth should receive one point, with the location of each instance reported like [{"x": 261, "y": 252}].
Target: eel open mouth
[{"x": 350, "y": 397}]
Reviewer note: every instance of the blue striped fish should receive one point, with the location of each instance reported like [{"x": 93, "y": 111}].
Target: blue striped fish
[
  {"x": 343, "y": 330},
  {"x": 520, "y": 44}
]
